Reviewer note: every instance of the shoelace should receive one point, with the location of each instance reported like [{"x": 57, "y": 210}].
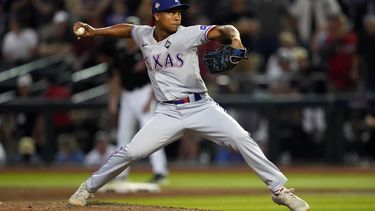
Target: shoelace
[{"x": 290, "y": 191}]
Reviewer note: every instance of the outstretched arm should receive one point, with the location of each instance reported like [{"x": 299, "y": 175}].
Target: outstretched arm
[
  {"x": 118, "y": 30},
  {"x": 226, "y": 32}
]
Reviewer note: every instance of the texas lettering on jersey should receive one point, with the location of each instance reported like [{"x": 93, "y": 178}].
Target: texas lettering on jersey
[{"x": 163, "y": 61}]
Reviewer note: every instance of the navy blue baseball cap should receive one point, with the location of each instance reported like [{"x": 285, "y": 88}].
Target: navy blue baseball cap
[{"x": 164, "y": 5}]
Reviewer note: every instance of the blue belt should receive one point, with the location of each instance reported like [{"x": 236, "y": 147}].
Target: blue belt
[{"x": 191, "y": 98}]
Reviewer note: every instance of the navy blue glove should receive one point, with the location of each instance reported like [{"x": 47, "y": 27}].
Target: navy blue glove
[{"x": 224, "y": 59}]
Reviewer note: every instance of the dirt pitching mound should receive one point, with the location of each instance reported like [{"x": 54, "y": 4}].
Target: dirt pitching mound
[{"x": 94, "y": 205}]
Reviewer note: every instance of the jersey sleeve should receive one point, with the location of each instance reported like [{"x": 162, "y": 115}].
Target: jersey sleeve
[
  {"x": 138, "y": 32},
  {"x": 196, "y": 35}
]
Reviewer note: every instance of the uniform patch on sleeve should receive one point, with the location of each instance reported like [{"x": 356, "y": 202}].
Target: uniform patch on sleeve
[{"x": 203, "y": 27}]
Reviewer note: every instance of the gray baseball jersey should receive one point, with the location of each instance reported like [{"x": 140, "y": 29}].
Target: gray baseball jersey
[
  {"x": 174, "y": 72},
  {"x": 173, "y": 62}
]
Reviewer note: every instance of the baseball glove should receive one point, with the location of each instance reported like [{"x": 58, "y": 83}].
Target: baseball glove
[{"x": 224, "y": 59}]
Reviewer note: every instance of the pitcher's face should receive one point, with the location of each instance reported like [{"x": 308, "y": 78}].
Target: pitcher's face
[{"x": 169, "y": 21}]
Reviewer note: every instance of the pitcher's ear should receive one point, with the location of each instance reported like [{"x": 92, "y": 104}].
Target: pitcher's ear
[{"x": 156, "y": 16}]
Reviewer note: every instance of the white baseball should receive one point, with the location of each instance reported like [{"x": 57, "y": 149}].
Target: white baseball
[{"x": 80, "y": 31}]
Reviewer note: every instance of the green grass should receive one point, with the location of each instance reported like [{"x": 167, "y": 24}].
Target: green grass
[
  {"x": 41, "y": 179},
  {"x": 333, "y": 181},
  {"x": 197, "y": 180},
  {"x": 361, "y": 199}
]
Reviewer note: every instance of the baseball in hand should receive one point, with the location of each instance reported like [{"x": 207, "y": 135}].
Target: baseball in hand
[{"x": 80, "y": 31}]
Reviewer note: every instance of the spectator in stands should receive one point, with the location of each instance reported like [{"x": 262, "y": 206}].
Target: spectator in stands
[
  {"x": 101, "y": 151},
  {"x": 339, "y": 51},
  {"x": 19, "y": 44},
  {"x": 27, "y": 150},
  {"x": 57, "y": 37},
  {"x": 310, "y": 16},
  {"x": 24, "y": 85},
  {"x": 281, "y": 75},
  {"x": 287, "y": 45},
  {"x": 68, "y": 151}
]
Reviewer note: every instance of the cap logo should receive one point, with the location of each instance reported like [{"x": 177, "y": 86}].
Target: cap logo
[{"x": 157, "y": 5}]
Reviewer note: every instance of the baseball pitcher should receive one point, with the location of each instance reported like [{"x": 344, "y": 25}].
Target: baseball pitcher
[{"x": 170, "y": 54}]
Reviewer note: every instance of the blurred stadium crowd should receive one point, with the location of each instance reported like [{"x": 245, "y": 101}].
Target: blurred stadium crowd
[{"x": 297, "y": 47}]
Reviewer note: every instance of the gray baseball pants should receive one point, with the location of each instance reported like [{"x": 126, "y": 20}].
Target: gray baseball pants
[{"x": 168, "y": 123}]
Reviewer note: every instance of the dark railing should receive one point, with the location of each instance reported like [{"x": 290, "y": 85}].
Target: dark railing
[{"x": 335, "y": 107}]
